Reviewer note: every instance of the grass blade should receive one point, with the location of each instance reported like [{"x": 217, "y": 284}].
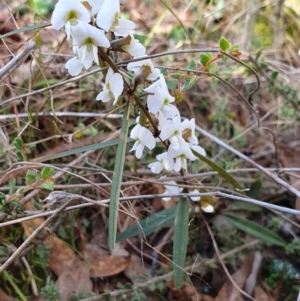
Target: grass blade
[
  {"x": 24, "y": 29},
  {"x": 117, "y": 180},
  {"x": 255, "y": 230},
  {"x": 222, "y": 172},
  {"x": 77, "y": 150},
  {"x": 150, "y": 224},
  {"x": 181, "y": 234}
]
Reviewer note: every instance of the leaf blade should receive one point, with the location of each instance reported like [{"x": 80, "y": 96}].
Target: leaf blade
[
  {"x": 150, "y": 224},
  {"x": 117, "y": 180},
  {"x": 255, "y": 230},
  {"x": 181, "y": 232},
  {"x": 222, "y": 172}
]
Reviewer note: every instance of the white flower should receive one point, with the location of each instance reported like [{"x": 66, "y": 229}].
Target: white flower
[
  {"x": 68, "y": 13},
  {"x": 108, "y": 15},
  {"x": 88, "y": 39},
  {"x": 159, "y": 97},
  {"x": 195, "y": 198},
  {"x": 137, "y": 67},
  {"x": 164, "y": 162},
  {"x": 143, "y": 138},
  {"x": 188, "y": 131},
  {"x": 95, "y": 5},
  {"x": 135, "y": 48},
  {"x": 171, "y": 188},
  {"x": 74, "y": 66},
  {"x": 208, "y": 208},
  {"x": 180, "y": 155},
  {"x": 113, "y": 87},
  {"x": 123, "y": 27},
  {"x": 198, "y": 149},
  {"x": 171, "y": 130}
]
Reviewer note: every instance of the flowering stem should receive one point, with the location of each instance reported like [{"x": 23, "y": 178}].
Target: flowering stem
[{"x": 156, "y": 130}]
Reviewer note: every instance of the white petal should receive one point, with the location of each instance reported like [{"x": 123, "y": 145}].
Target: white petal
[
  {"x": 98, "y": 36},
  {"x": 109, "y": 73},
  {"x": 74, "y": 66},
  {"x": 61, "y": 13},
  {"x": 108, "y": 14},
  {"x": 116, "y": 85},
  {"x": 134, "y": 134},
  {"x": 146, "y": 137},
  {"x": 156, "y": 167},
  {"x": 95, "y": 4},
  {"x": 198, "y": 149},
  {"x": 195, "y": 198},
  {"x": 86, "y": 57},
  {"x": 155, "y": 102},
  {"x": 135, "y": 48},
  {"x": 104, "y": 96},
  {"x": 135, "y": 146},
  {"x": 208, "y": 208},
  {"x": 177, "y": 165},
  {"x": 124, "y": 27},
  {"x": 139, "y": 150},
  {"x": 183, "y": 163}
]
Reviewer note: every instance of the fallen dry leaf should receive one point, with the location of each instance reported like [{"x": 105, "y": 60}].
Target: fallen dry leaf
[
  {"x": 228, "y": 292},
  {"x": 5, "y": 297},
  {"x": 103, "y": 264},
  {"x": 74, "y": 279},
  {"x": 261, "y": 295},
  {"x": 72, "y": 271},
  {"x": 136, "y": 270}
]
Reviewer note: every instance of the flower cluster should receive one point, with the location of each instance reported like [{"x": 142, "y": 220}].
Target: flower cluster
[{"x": 94, "y": 24}]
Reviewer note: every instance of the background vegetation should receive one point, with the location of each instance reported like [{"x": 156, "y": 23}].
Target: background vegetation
[{"x": 54, "y": 136}]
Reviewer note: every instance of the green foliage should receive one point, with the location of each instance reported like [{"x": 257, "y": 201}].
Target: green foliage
[
  {"x": 41, "y": 7},
  {"x": 181, "y": 236},
  {"x": 205, "y": 58},
  {"x": 150, "y": 224},
  {"x": 283, "y": 272},
  {"x": 47, "y": 172},
  {"x": 31, "y": 176},
  {"x": 50, "y": 292},
  {"x": 255, "y": 230},
  {"x": 116, "y": 184},
  {"x": 224, "y": 44},
  {"x": 293, "y": 247}
]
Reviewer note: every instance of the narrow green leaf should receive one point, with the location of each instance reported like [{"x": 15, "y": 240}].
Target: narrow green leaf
[
  {"x": 79, "y": 150},
  {"x": 222, "y": 172},
  {"x": 116, "y": 183},
  {"x": 224, "y": 44},
  {"x": 47, "y": 172},
  {"x": 245, "y": 207},
  {"x": 192, "y": 65},
  {"x": 255, "y": 230},
  {"x": 205, "y": 58},
  {"x": 24, "y": 29},
  {"x": 181, "y": 235},
  {"x": 150, "y": 224}
]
